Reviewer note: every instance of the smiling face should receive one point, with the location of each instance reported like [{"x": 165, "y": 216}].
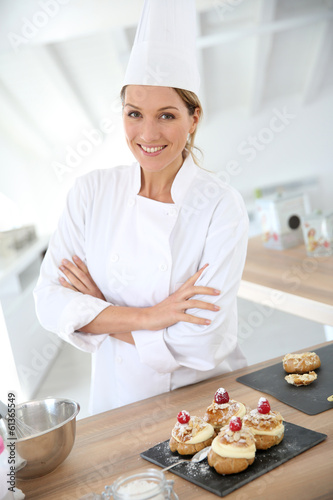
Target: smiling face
[{"x": 157, "y": 123}]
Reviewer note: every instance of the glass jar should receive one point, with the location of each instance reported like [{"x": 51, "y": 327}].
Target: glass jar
[
  {"x": 318, "y": 234},
  {"x": 148, "y": 485}
]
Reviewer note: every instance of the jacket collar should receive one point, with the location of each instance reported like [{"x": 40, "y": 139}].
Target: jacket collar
[{"x": 181, "y": 183}]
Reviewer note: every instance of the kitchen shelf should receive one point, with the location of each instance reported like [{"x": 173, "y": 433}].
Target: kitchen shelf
[{"x": 289, "y": 280}]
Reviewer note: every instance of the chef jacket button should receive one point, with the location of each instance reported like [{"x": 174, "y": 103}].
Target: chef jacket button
[
  {"x": 114, "y": 257},
  {"x": 172, "y": 212},
  {"x": 119, "y": 360},
  {"x": 131, "y": 202},
  {"x": 163, "y": 267}
]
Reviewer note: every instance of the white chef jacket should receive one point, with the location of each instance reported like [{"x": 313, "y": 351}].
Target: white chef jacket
[{"x": 138, "y": 252}]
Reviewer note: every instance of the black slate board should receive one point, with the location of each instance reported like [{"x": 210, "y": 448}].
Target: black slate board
[
  {"x": 296, "y": 440},
  {"x": 310, "y": 399}
]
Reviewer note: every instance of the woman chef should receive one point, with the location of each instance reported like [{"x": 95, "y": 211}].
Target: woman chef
[{"x": 150, "y": 255}]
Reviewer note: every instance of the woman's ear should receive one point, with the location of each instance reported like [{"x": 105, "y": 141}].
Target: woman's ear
[{"x": 195, "y": 120}]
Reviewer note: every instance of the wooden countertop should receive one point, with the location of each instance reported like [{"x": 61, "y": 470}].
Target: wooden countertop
[
  {"x": 109, "y": 444},
  {"x": 289, "y": 280}
]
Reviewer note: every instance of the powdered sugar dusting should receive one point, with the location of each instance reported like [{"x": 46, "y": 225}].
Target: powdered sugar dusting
[{"x": 263, "y": 421}]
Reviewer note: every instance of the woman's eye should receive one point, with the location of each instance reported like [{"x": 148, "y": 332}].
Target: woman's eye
[
  {"x": 134, "y": 114},
  {"x": 167, "y": 116}
]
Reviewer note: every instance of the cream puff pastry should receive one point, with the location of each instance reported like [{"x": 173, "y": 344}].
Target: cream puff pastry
[
  {"x": 266, "y": 425},
  {"x": 301, "y": 363},
  {"x": 219, "y": 413},
  {"x": 233, "y": 449},
  {"x": 190, "y": 434}
]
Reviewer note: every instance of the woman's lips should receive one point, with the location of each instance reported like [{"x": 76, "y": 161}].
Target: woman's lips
[{"x": 151, "y": 150}]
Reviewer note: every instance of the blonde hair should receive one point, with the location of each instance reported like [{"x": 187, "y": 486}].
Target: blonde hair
[{"x": 192, "y": 102}]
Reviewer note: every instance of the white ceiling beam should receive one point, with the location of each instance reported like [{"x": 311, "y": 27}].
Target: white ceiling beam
[
  {"x": 246, "y": 30},
  {"x": 320, "y": 63},
  {"x": 263, "y": 51}
]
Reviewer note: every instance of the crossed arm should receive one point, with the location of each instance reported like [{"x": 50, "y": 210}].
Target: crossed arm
[{"x": 121, "y": 321}]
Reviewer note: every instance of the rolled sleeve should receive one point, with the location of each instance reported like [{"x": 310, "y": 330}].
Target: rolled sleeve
[
  {"x": 80, "y": 311},
  {"x": 153, "y": 351}
]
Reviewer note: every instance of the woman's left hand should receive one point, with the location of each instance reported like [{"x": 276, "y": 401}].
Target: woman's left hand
[{"x": 79, "y": 277}]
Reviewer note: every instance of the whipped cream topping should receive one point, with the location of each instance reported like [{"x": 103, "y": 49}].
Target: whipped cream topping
[
  {"x": 269, "y": 424},
  {"x": 277, "y": 431},
  {"x": 241, "y": 411},
  {"x": 203, "y": 435},
  {"x": 195, "y": 431},
  {"x": 231, "y": 444}
]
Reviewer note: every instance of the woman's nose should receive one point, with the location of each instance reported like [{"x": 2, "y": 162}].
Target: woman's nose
[{"x": 149, "y": 131}]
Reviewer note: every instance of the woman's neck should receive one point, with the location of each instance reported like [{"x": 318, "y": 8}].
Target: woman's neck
[{"x": 157, "y": 185}]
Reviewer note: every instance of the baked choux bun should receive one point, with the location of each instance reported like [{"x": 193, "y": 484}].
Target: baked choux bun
[
  {"x": 266, "y": 425},
  {"x": 190, "y": 434},
  {"x": 219, "y": 413},
  {"x": 233, "y": 449},
  {"x": 301, "y": 363}
]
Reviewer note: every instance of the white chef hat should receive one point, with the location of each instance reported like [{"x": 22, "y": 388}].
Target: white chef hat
[{"x": 164, "y": 50}]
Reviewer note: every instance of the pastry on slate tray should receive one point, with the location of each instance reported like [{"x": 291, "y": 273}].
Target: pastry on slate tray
[
  {"x": 301, "y": 363},
  {"x": 266, "y": 425},
  {"x": 301, "y": 378},
  {"x": 190, "y": 434},
  {"x": 219, "y": 413},
  {"x": 233, "y": 449}
]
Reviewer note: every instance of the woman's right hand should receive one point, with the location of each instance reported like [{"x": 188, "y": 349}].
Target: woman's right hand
[{"x": 173, "y": 309}]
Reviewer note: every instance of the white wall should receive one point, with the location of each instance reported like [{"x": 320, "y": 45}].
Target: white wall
[{"x": 301, "y": 147}]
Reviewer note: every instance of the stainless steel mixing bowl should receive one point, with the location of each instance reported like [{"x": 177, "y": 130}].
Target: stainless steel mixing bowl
[{"x": 54, "y": 423}]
